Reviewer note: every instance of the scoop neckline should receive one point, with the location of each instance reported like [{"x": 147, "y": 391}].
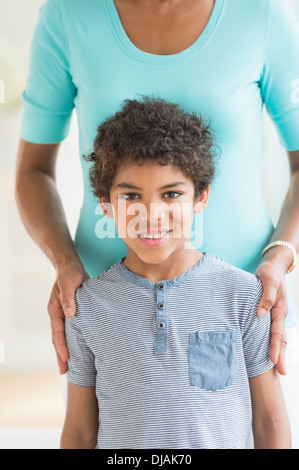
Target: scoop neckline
[
  {"x": 141, "y": 281},
  {"x": 148, "y": 57}
]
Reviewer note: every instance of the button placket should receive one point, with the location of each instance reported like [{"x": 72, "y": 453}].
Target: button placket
[{"x": 161, "y": 318}]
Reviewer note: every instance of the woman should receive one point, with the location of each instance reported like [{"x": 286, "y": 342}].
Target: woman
[{"x": 221, "y": 58}]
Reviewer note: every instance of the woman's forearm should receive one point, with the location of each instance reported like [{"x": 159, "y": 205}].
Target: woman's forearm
[
  {"x": 42, "y": 213},
  {"x": 287, "y": 228}
]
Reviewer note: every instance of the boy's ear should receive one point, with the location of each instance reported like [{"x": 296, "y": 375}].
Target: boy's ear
[
  {"x": 106, "y": 207},
  {"x": 201, "y": 201}
]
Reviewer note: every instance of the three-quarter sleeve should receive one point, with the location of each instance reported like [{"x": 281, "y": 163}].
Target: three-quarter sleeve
[
  {"x": 48, "y": 98},
  {"x": 280, "y": 77}
]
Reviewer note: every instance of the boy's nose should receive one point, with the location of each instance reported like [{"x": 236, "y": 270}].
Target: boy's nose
[{"x": 153, "y": 211}]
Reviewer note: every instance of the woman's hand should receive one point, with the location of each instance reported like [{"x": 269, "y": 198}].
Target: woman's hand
[
  {"x": 274, "y": 298},
  {"x": 61, "y": 304}
]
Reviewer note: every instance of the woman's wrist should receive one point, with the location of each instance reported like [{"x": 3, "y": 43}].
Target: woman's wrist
[
  {"x": 279, "y": 256},
  {"x": 64, "y": 259}
]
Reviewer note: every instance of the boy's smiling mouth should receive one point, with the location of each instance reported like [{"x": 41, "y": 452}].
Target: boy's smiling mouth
[
  {"x": 154, "y": 239},
  {"x": 154, "y": 234}
]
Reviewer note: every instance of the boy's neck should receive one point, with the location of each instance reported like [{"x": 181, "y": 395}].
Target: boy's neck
[{"x": 175, "y": 265}]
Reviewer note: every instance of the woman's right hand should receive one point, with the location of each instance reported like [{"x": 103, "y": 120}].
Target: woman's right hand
[{"x": 62, "y": 304}]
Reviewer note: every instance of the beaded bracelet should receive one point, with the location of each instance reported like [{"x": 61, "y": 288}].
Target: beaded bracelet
[{"x": 288, "y": 245}]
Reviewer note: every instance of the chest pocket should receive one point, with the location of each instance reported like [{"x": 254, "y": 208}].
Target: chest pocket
[{"x": 212, "y": 359}]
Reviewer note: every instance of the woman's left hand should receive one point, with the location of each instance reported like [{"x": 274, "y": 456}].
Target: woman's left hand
[{"x": 274, "y": 298}]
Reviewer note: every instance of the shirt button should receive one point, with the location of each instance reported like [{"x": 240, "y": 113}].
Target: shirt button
[
  {"x": 160, "y": 306},
  {"x": 161, "y": 325},
  {"x": 161, "y": 286}
]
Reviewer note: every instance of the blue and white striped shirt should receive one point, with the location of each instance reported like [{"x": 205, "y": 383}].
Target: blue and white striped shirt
[{"x": 170, "y": 360}]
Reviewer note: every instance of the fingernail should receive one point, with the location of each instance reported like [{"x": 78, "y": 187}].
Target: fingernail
[
  {"x": 262, "y": 312},
  {"x": 68, "y": 312}
]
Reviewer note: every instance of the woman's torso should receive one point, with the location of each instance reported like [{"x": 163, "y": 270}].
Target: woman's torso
[{"x": 216, "y": 76}]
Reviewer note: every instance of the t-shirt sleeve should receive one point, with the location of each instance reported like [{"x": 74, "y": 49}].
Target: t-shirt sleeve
[
  {"x": 81, "y": 362},
  {"x": 256, "y": 336},
  {"x": 48, "y": 97},
  {"x": 280, "y": 78}
]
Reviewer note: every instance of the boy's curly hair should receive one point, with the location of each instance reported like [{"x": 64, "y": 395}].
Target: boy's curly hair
[{"x": 151, "y": 130}]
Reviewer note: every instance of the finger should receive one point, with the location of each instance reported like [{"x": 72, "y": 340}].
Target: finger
[
  {"x": 278, "y": 331},
  {"x": 281, "y": 363},
  {"x": 61, "y": 364},
  {"x": 267, "y": 301},
  {"x": 67, "y": 297},
  {"x": 58, "y": 334},
  {"x": 57, "y": 325},
  {"x": 277, "y": 336},
  {"x": 60, "y": 342}
]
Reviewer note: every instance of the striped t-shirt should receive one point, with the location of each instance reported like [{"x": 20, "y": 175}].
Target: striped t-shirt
[{"x": 170, "y": 360}]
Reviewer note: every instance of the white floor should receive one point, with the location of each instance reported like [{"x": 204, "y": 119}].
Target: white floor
[{"x": 29, "y": 438}]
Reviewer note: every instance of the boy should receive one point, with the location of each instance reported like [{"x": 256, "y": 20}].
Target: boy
[{"x": 166, "y": 349}]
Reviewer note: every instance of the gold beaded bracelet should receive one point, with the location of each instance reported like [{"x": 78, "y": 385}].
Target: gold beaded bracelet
[{"x": 288, "y": 245}]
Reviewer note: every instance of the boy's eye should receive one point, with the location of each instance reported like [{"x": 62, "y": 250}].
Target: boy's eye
[
  {"x": 128, "y": 196},
  {"x": 172, "y": 194},
  {"x": 132, "y": 196}
]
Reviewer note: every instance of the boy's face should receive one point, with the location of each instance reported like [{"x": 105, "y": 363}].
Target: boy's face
[{"x": 153, "y": 201}]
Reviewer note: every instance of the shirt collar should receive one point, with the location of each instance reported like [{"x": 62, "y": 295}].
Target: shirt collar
[{"x": 141, "y": 281}]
